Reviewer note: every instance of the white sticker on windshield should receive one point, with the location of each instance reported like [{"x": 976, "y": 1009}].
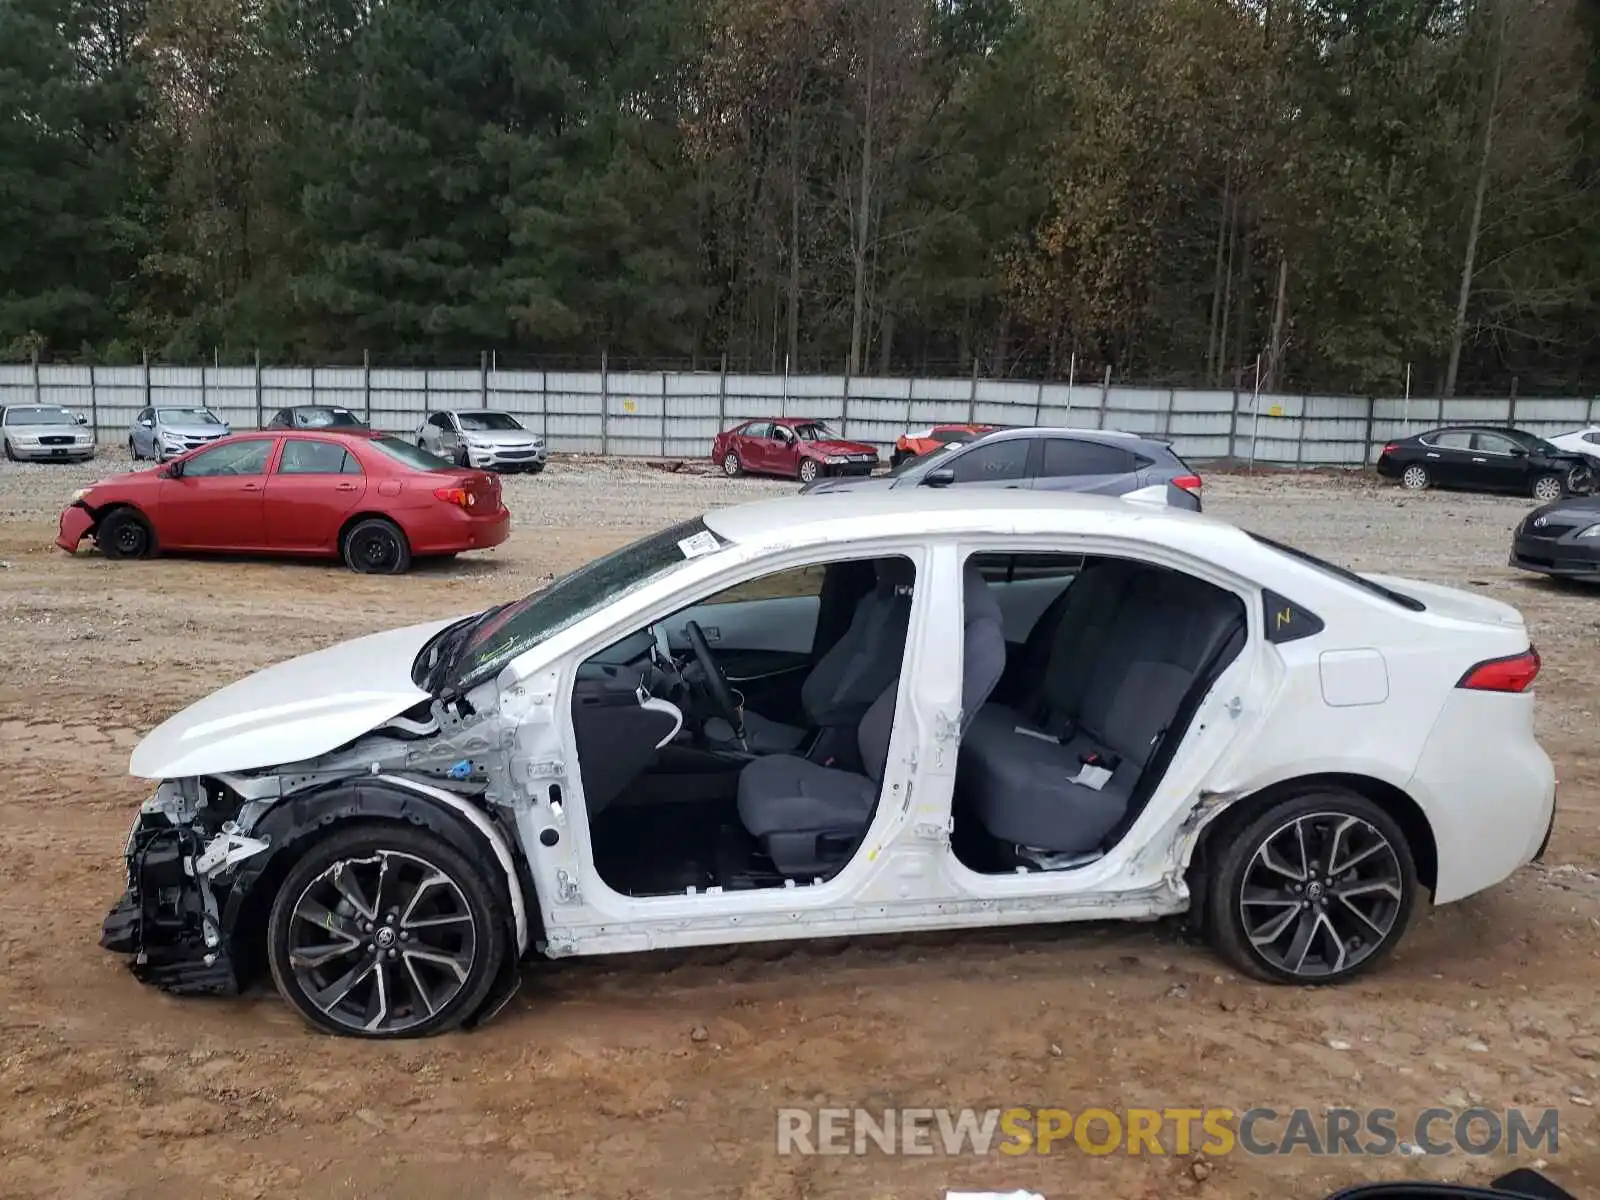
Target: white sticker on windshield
[{"x": 703, "y": 542}]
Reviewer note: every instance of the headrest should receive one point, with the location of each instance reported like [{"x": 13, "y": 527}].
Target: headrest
[
  {"x": 894, "y": 572},
  {"x": 977, "y": 599}
]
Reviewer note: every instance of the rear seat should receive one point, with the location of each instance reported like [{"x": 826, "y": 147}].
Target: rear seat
[{"x": 1123, "y": 657}]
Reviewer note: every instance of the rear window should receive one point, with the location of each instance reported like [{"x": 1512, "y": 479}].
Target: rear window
[
  {"x": 1341, "y": 573},
  {"x": 414, "y": 457}
]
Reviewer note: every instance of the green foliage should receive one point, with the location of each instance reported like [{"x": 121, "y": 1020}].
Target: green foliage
[{"x": 1168, "y": 187}]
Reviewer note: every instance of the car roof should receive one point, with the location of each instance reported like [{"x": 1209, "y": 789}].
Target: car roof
[
  {"x": 853, "y": 516},
  {"x": 792, "y": 421},
  {"x": 1104, "y": 437}
]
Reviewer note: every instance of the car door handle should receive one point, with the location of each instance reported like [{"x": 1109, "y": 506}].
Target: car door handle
[
  {"x": 1480, "y": 460},
  {"x": 1431, "y": 454},
  {"x": 345, "y": 487},
  {"x": 250, "y": 487}
]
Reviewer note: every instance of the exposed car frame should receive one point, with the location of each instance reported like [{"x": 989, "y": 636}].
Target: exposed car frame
[{"x": 393, "y": 751}]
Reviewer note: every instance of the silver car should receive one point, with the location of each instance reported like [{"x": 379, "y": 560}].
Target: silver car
[
  {"x": 476, "y": 437},
  {"x": 164, "y": 432},
  {"x": 45, "y": 433}
]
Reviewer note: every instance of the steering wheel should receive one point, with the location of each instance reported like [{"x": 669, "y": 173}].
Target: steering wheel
[{"x": 716, "y": 681}]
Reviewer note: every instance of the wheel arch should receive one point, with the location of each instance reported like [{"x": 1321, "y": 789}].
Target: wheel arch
[
  {"x": 292, "y": 826},
  {"x": 1407, "y": 813},
  {"x": 367, "y": 514},
  {"x": 112, "y": 506}
]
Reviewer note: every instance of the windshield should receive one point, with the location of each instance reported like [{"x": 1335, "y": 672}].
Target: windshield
[
  {"x": 506, "y": 633},
  {"x": 328, "y": 418},
  {"x": 188, "y": 416},
  {"x": 815, "y": 431},
  {"x": 475, "y": 421},
  {"x": 39, "y": 416},
  {"x": 1340, "y": 573},
  {"x": 408, "y": 455}
]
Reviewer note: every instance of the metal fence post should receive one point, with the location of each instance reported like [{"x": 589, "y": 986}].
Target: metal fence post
[
  {"x": 258, "y": 389},
  {"x": 544, "y": 405},
  {"x": 145, "y": 354},
  {"x": 1038, "y": 403},
  {"x": 1233, "y": 422},
  {"x": 1105, "y": 399},
  {"x": 366, "y": 386},
  {"x": 1511, "y": 414},
  {"x": 1166, "y": 416},
  {"x": 605, "y": 409},
  {"x": 844, "y": 407},
  {"x": 35, "y": 360},
  {"x": 972, "y": 394},
  {"x": 1366, "y": 446},
  {"x": 722, "y": 393},
  {"x": 663, "y": 414},
  {"x": 483, "y": 379},
  {"x": 94, "y": 404}
]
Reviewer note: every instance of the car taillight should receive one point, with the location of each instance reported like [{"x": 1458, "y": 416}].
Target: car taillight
[
  {"x": 1514, "y": 673},
  {"x": 455, "y": 495},
  {"x": 1390, "y": 449},
  {"x": 1189, "y": 483}
]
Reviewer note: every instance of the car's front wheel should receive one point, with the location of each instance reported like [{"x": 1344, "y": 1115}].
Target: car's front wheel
[
  {"x": 731, "y": 466},
  {"x": 1415, "y": 478},
  {"x": 808, "y": 470},
  {"x": 11, "y": 455},
  {"x": 385, "y": 931},
  {"x": 1549, "y": 488},
  {"x": 1314, "y": 889},
  {"x": 376, "y": 546},
  {"x": 133, "y": 450},
  {"x": 123, "y": 533}
]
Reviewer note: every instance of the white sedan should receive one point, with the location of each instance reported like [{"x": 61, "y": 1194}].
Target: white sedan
[
  {"x": 844, "y": 715},
  {"x": 1579, "y": 441}
]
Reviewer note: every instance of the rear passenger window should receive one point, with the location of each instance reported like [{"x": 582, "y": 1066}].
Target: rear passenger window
[
  {"x": 1069, "y": 456},
  {"x": 996, "y": 462},
  {"x": 1453, "y": 439},
  {"x": 1014, "y": 568},
  {"x": 316, "y": 458}
]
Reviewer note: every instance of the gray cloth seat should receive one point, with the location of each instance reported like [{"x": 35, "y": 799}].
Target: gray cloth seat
[
  {"x": 1128, "y": 652},
  {"x": 809, "y": 818},
  {"x": 850, "y": 675}
]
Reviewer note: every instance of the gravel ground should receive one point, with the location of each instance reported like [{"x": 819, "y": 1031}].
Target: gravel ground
[{"x": 657, "y": 1075}]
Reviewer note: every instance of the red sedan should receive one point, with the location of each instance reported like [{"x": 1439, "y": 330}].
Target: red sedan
[
  {"x": 368, "y": 498},
  {"x": 791, "y": 446}
]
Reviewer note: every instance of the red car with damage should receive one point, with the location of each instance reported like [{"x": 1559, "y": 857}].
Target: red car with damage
[
  {"x": 372, "y": 500},
  {"x": 797, "y": 447},
  {"x": 918, "y": 442}
]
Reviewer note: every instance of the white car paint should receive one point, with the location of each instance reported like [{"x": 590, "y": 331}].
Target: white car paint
[
  {"x": 1579, "y": 441},
  {"x": 292, "y": 710},
  {"x": 1469, "y": 760}
]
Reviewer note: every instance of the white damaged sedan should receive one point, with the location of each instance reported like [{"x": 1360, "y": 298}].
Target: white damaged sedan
[{"x": 844, "y": 715}]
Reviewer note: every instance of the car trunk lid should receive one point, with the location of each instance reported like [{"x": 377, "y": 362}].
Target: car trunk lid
[{"x": 1454, "y": 603}]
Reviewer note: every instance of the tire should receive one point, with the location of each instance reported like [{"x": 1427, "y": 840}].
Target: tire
[
  {"x": 1362, "y": 929},
  {"x": 1580, "y": 480},
  {"x": 731, "y": 466},
  {"x": 536, "y": 469},
  {"x": 337, "y": 880},
  {"x": 808, "y": 470},
  {"x": 11, "y": 455},
  {"x": 124, "y": 533},
  {"x": 1415, "y": 478},
  {"x": 133, "y": 450},
  {"x": 896, "y": 458},
  {"x": 462, "y": 460},
  {"x": 375, "y": 546},
  {"x": 1548, "y": 488}
]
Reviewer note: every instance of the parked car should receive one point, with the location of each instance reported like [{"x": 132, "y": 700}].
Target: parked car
[
  {"x": 315, "y": 416},
  {"x": 1562, "y": 539},
  {"x": 45, "y": 433},
  {"x": 926, "y": 441},
  {"x": 1585, "y": 441},
  {"x": 163, "y": 432},
  {"x": 1485, "y": 459},
  {"x": 475, "y": 437},
  {"x": 789, "y": 446},
  {"x": 1104, "y": 461},
  {"x": 999, "y": 708},
  {"x": 370, "y": 499}
]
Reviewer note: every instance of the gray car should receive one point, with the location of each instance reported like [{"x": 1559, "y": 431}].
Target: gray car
[
  {"x": 482, "y": 438},
  {"x": 1103, "y": 461},
  {"x": 166, "y": 431},
  {"x": 45, "y": 433}
]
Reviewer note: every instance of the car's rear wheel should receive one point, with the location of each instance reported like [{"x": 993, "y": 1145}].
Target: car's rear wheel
[
  {"x": 1415, "y": 478},
  {"x": 1580, "y": 479},
  {"x": 385, "y": 932},
  {"x": 123, "y": 533},
  {"x": 376, "y": 546},
  {"x": 808, "y": 470},
  {"x": 1314, "y": 889},
  {"x": 731, "y": 466},
  {"x": 1548, "y": 488}
]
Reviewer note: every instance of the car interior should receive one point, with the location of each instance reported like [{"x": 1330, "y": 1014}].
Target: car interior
[{"x": 742, "y": 742}]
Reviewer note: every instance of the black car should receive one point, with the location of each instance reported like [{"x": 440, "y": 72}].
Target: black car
[
  {"x": 1482, "y": 458},
  {"x": 315, "y": 416},
  {"x": 1560, "y": 539}
]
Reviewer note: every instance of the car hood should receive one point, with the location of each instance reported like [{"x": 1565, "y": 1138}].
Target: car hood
[
  {"x": 1569, "y": 511},
  {"x": 860, "y": 483},
  {"x": 46, "y": 430},
  {"x": 195, "y": 431},
  {"x": 291, "y": 711},
  {"x": 500, "y": 437},
  {"x": 837, "y": 447}
]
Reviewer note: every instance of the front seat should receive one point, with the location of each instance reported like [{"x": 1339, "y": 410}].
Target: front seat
[
  {"x": 809, "y": 818},
  {"x": 852, "y": 672}
]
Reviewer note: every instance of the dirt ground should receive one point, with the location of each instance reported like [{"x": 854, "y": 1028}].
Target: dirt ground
[{"x": 659, "y": 1075}]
